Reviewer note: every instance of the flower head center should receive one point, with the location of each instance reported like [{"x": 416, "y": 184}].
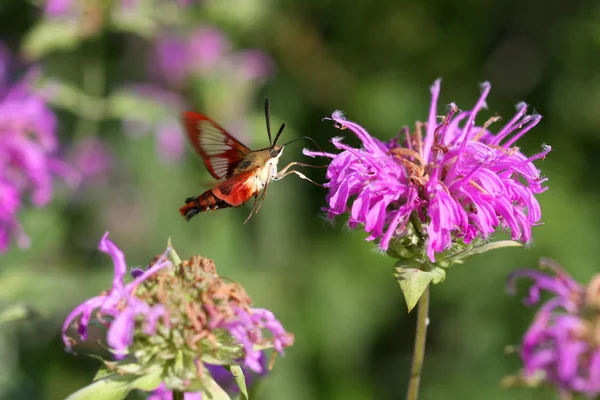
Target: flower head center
[{"x": 197, "y": 301}]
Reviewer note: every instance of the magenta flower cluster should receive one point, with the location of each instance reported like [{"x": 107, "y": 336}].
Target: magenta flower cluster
[
  {"x": 124, "y": 312},
  {"x": 460, "y": 180},
  {"x": 562, "y": 342},
  {"x": 28, "y": 151}
]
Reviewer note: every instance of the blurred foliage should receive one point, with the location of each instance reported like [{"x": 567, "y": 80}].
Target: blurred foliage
[{"x": 375, "y": 60}]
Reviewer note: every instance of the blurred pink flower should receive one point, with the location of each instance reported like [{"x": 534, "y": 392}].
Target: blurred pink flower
[
  {"x": 562, "y": 341},
  {"x": 204, "y": 51},
  {"x": 91, "y": 157},
  {"x": 172, "y": 59},
  {"x": 58, "y": 8},
  {"x": 255, "y": 65},
  {"x": 178, "y": 57},
  {"x": 207, "y": 48},
  {"x": 170, "y": 140},
  {"x": 28, "y": 147}
]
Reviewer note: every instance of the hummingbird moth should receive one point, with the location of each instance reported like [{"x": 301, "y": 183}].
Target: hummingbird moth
[{"x": 242, "y": 172}]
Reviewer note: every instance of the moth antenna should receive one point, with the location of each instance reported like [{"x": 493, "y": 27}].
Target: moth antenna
[
  {"x": 268, "y": 118},
  {"x": 278, "y": 134}
]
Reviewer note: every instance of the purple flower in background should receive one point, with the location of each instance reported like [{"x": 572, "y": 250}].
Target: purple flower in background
[
  {"x": 161, "y": 319},
  {"x": 91, "y": 157},
  {"x": 28, "y": 147},
  {"x": 58, "y": 8},
  {"x": 562, "y": 342},
  {"x": 254, "y": 65},
  {"x": 207, "y": 48},
  {"x": 459, "y": 181},
  {"x": 207, "y": 52},
  {"x": 169, "y": 140},
  {"x": 172, "y": 59},
  {"x": 179, "y": 57}
]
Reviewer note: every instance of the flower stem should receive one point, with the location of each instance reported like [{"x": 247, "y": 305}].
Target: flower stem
[
  {"x": 178, "y": 395},
  {"x": 419, "y": 350}
]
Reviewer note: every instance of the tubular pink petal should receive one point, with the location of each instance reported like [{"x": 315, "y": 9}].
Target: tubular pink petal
[
  {"x": 432, "y": 119},
  {"x": 511, "y": 125},
  {"x": 108, "y": 247}
]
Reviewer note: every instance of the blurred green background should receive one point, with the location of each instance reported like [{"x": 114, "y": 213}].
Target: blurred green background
[{"x": 375, "y": 60}]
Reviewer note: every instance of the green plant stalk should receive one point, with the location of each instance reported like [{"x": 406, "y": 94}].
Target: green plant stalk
[
  {"x": 93, "y": 85},
  {"x": 419, "y": 349},
  {"x": 178, "y": 395}
]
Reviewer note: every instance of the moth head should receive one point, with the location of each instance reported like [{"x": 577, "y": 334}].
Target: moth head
[{"x": 276, "y": 151}]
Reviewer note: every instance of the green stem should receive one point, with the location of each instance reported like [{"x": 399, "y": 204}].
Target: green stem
[
  {"x": 178, "y": 395},
  {"x": 93, "y": 85},
  {"x": 567, "y": 395},
  {"x": 419, "y": 350}
]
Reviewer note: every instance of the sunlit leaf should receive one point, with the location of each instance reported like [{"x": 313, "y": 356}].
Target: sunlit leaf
[
  {"x": 49, "y": 36},
  {"x": 213, "y": 391},
  {"x": 240, "y": 380},
  {"x": 173, "y": 256},
  {"x": 116, "y": 386}
]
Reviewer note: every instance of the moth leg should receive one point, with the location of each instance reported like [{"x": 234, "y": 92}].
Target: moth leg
[
  {"x": 262, "y": 198},
  {"x": 253, "y": 207},
  {"x": 283, "y": 174},
  {"x": 264, "y": 193}
]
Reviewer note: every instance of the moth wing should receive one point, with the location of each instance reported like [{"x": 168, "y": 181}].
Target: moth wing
[
  {"x": 220, "y": 151},
  {"x": 237, "y": 189}
]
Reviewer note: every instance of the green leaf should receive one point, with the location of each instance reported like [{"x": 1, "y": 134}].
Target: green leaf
[
  {"x": 173, "y": 256},
  {"x": 103, "y": 372},
  {"x": 240, "y": 380},
  {"x": 212, "y": 390},
  {"x": 139, "y": 23},
  {"x": 130, "y": 105},
  {"x": 458, "y": 257},
  {"x": 414, "y": 281},
  {"x": 221, "y": 360},
  {"x": 50, "y": 35},
  {"x": 116, "y": 386},
  {"x": 493, "y": 246},
  {"x": 17, "y": 312},
  {"x": 75, "y": 100}
]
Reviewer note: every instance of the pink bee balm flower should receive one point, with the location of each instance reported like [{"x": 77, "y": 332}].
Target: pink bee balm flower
[
  {"x": 178, "y": 317},
  {"x": 562, "y": 342},
  {"x": 456, "y": 183}
]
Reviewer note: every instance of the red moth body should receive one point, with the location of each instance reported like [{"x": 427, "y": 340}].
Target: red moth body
[{"x": 242, "y": 172}]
